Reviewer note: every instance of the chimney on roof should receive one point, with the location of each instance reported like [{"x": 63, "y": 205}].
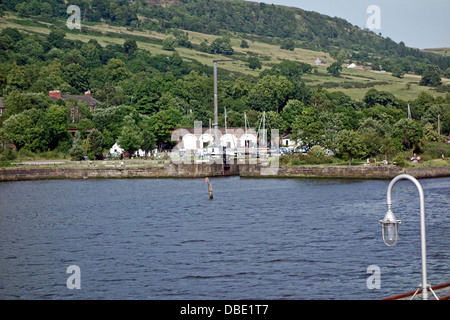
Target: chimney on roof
[
  {"x": 55, "y": 94},
  {"x": 88, "y": 93}
]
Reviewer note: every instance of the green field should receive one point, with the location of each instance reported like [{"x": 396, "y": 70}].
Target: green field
[{"x": 353, "y": 82}]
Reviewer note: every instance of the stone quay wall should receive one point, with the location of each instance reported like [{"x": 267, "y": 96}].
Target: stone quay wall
[
  {"x": 169, "y": 171},
  {"x": 216, "y": 170},
  {"x": 346, "y": 172}
]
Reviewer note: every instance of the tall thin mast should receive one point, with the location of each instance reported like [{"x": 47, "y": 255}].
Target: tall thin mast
[
  {"x": 216, "y": 117},
  {"x": 225, "y": 109},
  {"x": 216, "y": 122},
  {"x": 245, "y": 122}
]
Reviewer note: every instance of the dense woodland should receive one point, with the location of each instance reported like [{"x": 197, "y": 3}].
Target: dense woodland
[{"x": 144, "y": 96}]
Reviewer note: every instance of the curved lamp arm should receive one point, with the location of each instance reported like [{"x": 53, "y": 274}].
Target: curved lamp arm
[{"x": 422, "y": 225}]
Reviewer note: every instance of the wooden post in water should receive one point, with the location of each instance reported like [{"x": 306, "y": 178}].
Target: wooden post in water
[{"x": 209, "y": 188}]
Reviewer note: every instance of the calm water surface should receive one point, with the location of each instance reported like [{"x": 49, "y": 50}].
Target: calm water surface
[{"x": 258, "y": 238}]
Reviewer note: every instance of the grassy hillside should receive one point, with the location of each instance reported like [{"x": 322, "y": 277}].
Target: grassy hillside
[
  {"x": 354, "y": 82},
  {"x": 442, "y": 51}
]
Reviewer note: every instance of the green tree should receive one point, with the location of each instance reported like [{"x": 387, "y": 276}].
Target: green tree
[
  {"x": 384, "y": 98},
  {"x": 341, "y": 56},
  {"x": 292, "y": 109},
  {"x": 204, "y": 47},
  {"x": 77, "y": 151},
  {"x": 335, "y": 69},
  {"x": 430, "y": 133},
  {"x": 168, "y": 44},
  {"x": 108, "y": 139},
  {"x": 13, "y": 33},
  {"x": 350, "y": 145},
  {"x": 270, "y": 93},
  {"x": 56, "y": 38},
  {"x": 384, "y": 114},
  {"x": 30, "y": 47},
  {"x": 182, "y": 39},
  {"x": 332, "y": 124},
  {"x": 16, "y": 103},
  {"x": 19, "y": 77},
  {"x": 129, "y": 46},
  {"x": 95, "y": 142},
  {"x": 130, "y": 138},
  {"x": 244, "y": 44},
  {"x": 369, "y": 125},
  {"x": 408, "y": 132},
  {"x": 116, "y": 70},
  {"x": 111, "y": 95},
  {"x": 38, "y": 129},
  {"x": 26, "y": 130},
  {"x": 288, "y": 44},
  {"x": 148, "y": 140},
  {"x": 221, "y": 46},
  {"x": 398, "y": 72},
  {"x": 76, "y": 76},
  {"x": 49, "y": 78},
  {"x": 433, "y": 112},
  {"x": 162, "y": 123},
  {"x": 46, "y": 10},
  {"x": 320, "y": 101},
  {"x": 111, "y": 119},
  {"x": 373, "y": 143},
  {"x": 6, "y": 42},
  {"x": 83, "y": 127},
  {"x": 92, "y": 53},
  {"x": 254, "y": 63},
  {"x": 430, "y": 78},
  {"x": 293, "y": 70},
  {"x": 447, "y": 73},
  {"x": 388, "y": 147},
  {"x": 308, "y": 129},
  {"x": 56, "y": 122}
]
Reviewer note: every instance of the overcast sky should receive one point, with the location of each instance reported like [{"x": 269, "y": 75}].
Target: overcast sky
[{"x": 418, "y": 23}]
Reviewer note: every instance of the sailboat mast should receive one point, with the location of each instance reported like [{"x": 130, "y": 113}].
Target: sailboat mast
[
  {"x": 245, "y": 122},
  {"x": 225, "y": 109},
  {"x": 216, "y": 121}
]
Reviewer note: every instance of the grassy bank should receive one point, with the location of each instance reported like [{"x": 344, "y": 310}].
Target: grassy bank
[{"x": 432, "y": 154}]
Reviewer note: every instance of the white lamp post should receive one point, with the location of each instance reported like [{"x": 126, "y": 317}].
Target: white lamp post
[{"x": 390, "y": 228}]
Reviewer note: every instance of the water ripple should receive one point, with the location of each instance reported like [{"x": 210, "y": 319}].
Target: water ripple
[{"x": 258, "y": 238}]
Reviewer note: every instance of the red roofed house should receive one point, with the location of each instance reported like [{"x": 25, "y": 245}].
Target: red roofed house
[
  {"x": 86, "y": 98},
  {"x": 91, "y": 102}
]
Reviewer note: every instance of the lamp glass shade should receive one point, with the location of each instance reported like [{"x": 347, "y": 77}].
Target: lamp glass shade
[{"x": 390, "y": 233}]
